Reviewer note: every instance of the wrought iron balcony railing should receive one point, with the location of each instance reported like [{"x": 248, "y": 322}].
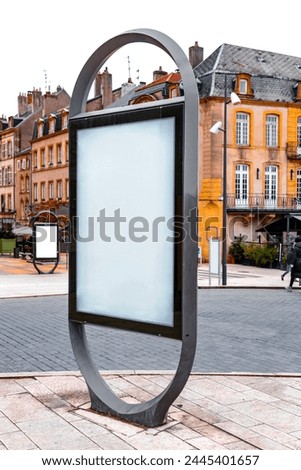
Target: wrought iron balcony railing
[{"x": 261, "y": 201}]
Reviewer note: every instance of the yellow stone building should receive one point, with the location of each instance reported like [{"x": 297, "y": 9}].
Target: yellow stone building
[{"x": 263, "y": 151}]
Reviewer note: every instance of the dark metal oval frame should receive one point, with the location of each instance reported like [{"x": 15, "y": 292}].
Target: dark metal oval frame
[{"x": 153, "y": 412}]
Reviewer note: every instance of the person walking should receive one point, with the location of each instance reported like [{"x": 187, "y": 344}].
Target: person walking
[
  {"x": 295, "y": 263},
  {"x": 288, "y": 261}
]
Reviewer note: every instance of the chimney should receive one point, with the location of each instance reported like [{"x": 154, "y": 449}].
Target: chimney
[
  {"x": 196, "y": 55},
  {"x": 22, "y": 104},
  {"x": 36, "y": 99},
  {"x": 158, "y": 74},
  {"x": 103, "y": 87},
  {"x": 49, "y": 103}
]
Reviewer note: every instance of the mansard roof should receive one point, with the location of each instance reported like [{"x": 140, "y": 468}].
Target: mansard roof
[{"x": 273, "y": 76}]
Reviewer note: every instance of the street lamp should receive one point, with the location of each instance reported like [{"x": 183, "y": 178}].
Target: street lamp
[{"x": 215, "y": 129}]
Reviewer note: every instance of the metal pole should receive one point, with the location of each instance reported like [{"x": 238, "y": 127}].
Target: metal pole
[{"x": 224, "y": 231}]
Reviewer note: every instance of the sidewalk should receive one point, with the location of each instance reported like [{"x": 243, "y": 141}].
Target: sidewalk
[
  {"x": 18, "y": 278},
  {"x": 239, "y": 275},
  {"x": 214, "y": 411}
]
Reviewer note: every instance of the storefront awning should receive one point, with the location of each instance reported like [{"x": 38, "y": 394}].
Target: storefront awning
[{"x": 281, "y": 225}]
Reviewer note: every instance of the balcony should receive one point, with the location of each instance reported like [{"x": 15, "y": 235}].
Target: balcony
[
  {"x": 293, "y": 150},
  {"x": 262, "y": 202}
]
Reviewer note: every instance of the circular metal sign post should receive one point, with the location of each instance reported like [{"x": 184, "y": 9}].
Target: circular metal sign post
[{"x": 117, "y": 157}]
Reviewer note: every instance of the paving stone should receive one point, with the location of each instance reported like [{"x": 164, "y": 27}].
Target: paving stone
[
  {"x": 205, "y": 443},
  {"x": 274, "y": 434},
  {"x": 265, "y": 443},
  {"x": 111, "y": 424},
  {"x": 9, "y": 387},
  {"x": 17, "y": 441},
  {"x": 270, "y": 415},
  {"x": 22, "y": 407},
  {"x": 162, "y": 441},
  {"x": 71, "y": 388},
  {"x": 183, "y": 432},
  {"x": 7, "y": 426},
  {"x": 54, "y": 433},
  {"x": 110, "y": 441}
]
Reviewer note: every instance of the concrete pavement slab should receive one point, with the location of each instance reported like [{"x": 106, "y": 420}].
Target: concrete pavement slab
[{"x": 41, "y": 412}]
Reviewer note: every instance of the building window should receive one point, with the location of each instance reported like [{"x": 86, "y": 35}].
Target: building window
[
  {"x": 22, "y": 184},
  {"x": 241, "y": 185},
  {"x": 27, "y": 184},
  {"x": 242, "y": 129},
  {"x": 50, "y": 190},
  {"x": 18, "y": 165},
  {"x": 59, "y": 190},
  {"x": 35, "y": 192},
  {"x": 40, "y": 127},
  {"x": 4, "y": 150},
  {"x": 43, "y": 159},
  {"x": 9, "y": 175},
  {"x": 65, "y": 120},
  {"x": 271, "y": 185},
  {"x": 51, "y": 124},
  {"x": 35, "y": 159},
  {"x": 299, "y": 185},
  {"x": 271, "y": 125},
  {"x": 59, "y": 153},
  {"x": 67, "y": 189},
  {"x": 50, "y": 156},
  {"x": 299, "y": 136},
  {"x": 243, "y": 86},
  {"x": 67, "y": 151},
  {"x": 43, "y": 191},
  {"x": 23, "y": 164},
  {"x": 9, "y": 204},
  {"x": 9, "y": 148},
  {"x": 0, "y": 176}
]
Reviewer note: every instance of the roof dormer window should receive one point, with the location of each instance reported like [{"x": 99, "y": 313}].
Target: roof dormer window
[
  {"x": 40, "y": 127},
  {"x": 52, "y": 123},
  {"x": 297, "y": 89},
  {"x": 243, "y": 85}
]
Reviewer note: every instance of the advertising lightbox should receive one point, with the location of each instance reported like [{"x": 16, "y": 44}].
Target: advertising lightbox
[
  {"x": 126, "y": 212},
  {"x": 45, "y": 237}
]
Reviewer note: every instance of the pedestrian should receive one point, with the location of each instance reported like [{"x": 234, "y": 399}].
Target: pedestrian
[
  {"x": 288, "y": 262},
  {"x": 295, "y": 263}
]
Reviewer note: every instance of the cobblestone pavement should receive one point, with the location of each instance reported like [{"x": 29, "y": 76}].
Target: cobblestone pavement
[{"x": 242, "y": 330}]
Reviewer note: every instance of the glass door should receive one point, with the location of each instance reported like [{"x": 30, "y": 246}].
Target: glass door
[
  {"x": 271, "y": 186},
  {"x": 241, "y": 185}
]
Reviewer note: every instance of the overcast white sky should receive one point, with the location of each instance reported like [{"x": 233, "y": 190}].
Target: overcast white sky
[{"x": 59, "y": 36}]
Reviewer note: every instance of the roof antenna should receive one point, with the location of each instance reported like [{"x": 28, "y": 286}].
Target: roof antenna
[
  {"x": 45, "y": 80},
  {"x": 129, "y": 66}
]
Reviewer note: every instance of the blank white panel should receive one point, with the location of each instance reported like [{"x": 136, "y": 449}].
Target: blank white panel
[
  {"x": 46, "y": 241},
  {"x": 128, "y": 170}
]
